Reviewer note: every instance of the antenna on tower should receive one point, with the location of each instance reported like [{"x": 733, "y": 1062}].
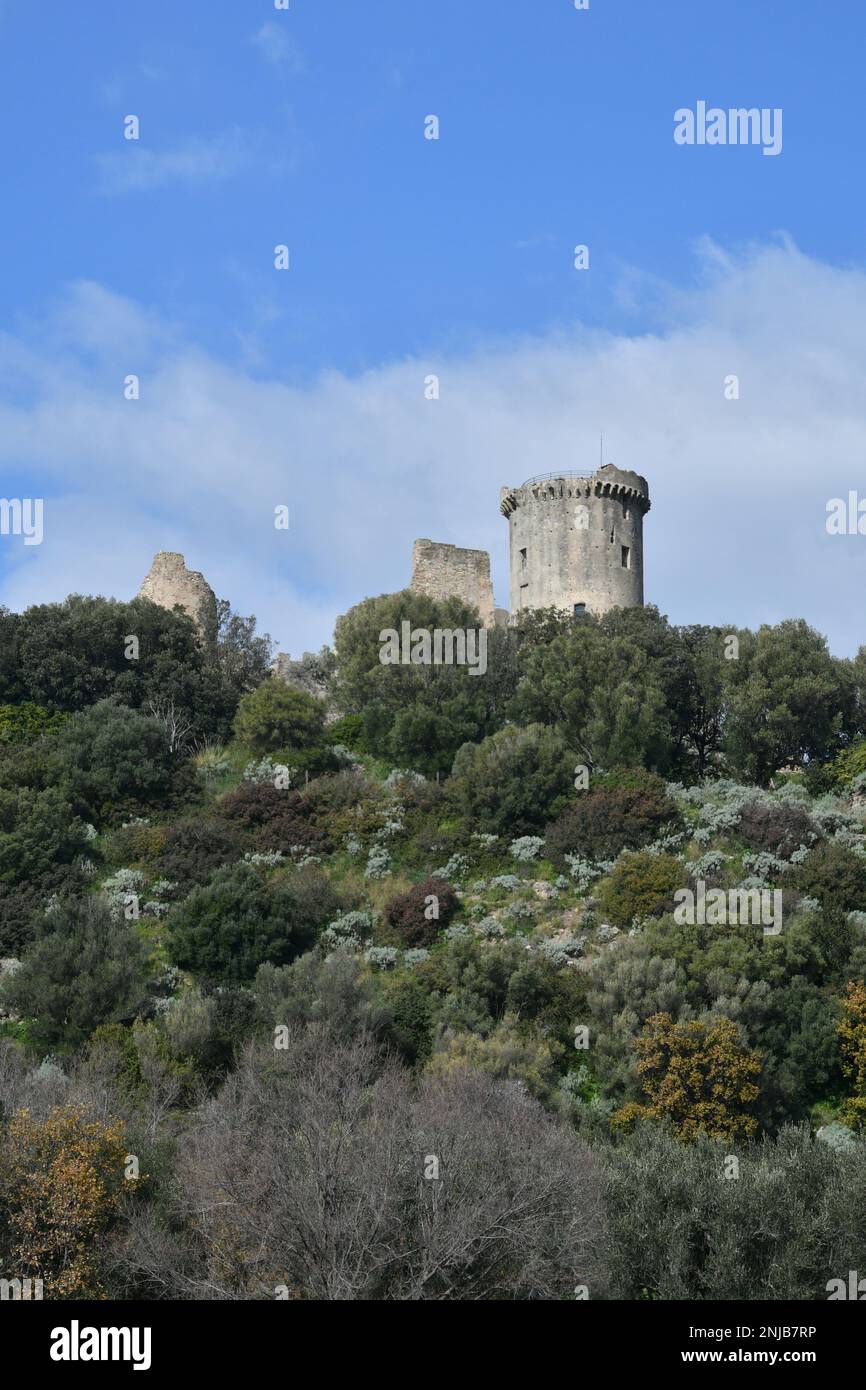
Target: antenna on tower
[{"x": 601, "y": 449}]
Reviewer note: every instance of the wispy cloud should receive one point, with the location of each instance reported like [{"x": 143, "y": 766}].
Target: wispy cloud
[
  {"x": 279, "y": 48},
  {"x": 197, "y": 159},
  {"x": 366, "y": 464}
]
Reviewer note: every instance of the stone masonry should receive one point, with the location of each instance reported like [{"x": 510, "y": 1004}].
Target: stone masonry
[
  {"x": 442, "y": 571},
  {"x": 576, "y": 540},
  {"x": 170, "y": 584}
]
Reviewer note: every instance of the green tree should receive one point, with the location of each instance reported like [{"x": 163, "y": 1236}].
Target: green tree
[
  {"x": 110, "y": 758},
  {"x": 697, "y": 1075},
  {"x": 275, "y": 717},
  {"x": 84, "y": 968},
  {"x": 419, "y": 715},
  {"x": 67, "y": 656},
  {"x": 231, "y": 925},
  {"x": 242, "y": 655},
  {"x": 608, "y": 688},
  {"x": 789, "y": 701},
  {"x": 513, "y": 782}
]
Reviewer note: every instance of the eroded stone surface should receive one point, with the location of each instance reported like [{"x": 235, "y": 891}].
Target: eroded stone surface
[
  {"x": 169, "y": 583},
  {"x": 445, "y": 571}
]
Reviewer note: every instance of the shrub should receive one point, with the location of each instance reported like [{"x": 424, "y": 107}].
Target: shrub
[
  {"x": 194, "y": 848},
  {"x": 275, "y": 716},
  {"x": 22, "y": 902},
  {"x": 697, "y": 1075},
  {"x": 513, "y": 782},
  {"x": 349, "y": 731},
  {"x": 676, "y": 1232},
  {"x": 640, "y": 885},
  {"x": 38, "y": 831},
  {"x": 526, "y": 849},
  {"x": 774, "y": 828},
  {"x": 343, "y": 803},
  {"x": 25, "y": 723},
  {"x": 410, "y": 913},
  {"x": 609, "y": 819},
  {"x": 233, "y": 924},
  {"x": 836, "y": 876},
  {"x": 61, "y": 1185},
  {"x": 274, "y": 819},
  {"x": 112, "y": 762},
  {"x": 83, "y": 969}
]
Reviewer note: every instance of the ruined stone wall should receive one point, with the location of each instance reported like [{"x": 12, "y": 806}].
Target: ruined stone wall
[
  {"x": 577, "y": 540},
  {"x": 443, "y": 571},
  {"x": 169, "y": 583}
]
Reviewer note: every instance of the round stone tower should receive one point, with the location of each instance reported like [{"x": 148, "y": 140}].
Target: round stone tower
[{"x": 576, "y": 541}]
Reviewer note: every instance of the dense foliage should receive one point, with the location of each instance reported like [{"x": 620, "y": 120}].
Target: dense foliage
[{"x": 416, "y": 937}]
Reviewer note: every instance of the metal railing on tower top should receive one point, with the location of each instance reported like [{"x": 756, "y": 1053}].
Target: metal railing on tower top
[{"x": 560, "y": 473}]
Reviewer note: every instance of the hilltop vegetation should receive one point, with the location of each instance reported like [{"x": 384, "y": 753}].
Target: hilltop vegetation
[{"x": 412, "y": 935}]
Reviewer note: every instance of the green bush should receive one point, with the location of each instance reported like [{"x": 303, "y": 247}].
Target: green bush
[
  {"x": 113, "y": 762},
  {"x": 275, "y": 717},
  {"x": 836, "y": 876},
  {"x": 349, "y": 731},
  {"x": 25, "y": 723},
  {"x": 234, "y": 923},
  {"x": 513, "y": 782},
  {"x": 38, "y": 830},
  {"x": 640, "y": 885},
  {"x": 83, "y": 969}
]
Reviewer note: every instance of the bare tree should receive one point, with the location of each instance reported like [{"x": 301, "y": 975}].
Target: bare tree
[
  {"x": 177, "y": 726},
  {"x": 320, "y": 1170}
]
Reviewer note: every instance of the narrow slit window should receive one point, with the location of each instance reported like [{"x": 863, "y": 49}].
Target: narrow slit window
[
  {"x": 523, "y": 559},
  {"x": 625, "y": 557}
]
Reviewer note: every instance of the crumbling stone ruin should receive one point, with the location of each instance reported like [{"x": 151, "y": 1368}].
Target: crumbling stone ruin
[
  {"x": 169, "y": 583},
  {"x": 311, "y": 673},
  {"x": 442, "y": 571},
  {"x": 575, "y": 543}
]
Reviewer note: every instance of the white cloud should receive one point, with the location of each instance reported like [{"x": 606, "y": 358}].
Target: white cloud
[
  {"x": 366, "y": 464},
  {"x": 278, "y": 48},
  {"x": 194, "y": 160}
]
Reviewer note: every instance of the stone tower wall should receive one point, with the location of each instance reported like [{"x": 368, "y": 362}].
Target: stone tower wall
[
  {"x": 577, "y": 540},
  {"x": 443, "y": 571},
  {"x": 169, "y": 583}
]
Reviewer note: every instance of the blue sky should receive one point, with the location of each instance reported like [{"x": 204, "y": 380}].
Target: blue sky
[{"x": 261, "y": 126}]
